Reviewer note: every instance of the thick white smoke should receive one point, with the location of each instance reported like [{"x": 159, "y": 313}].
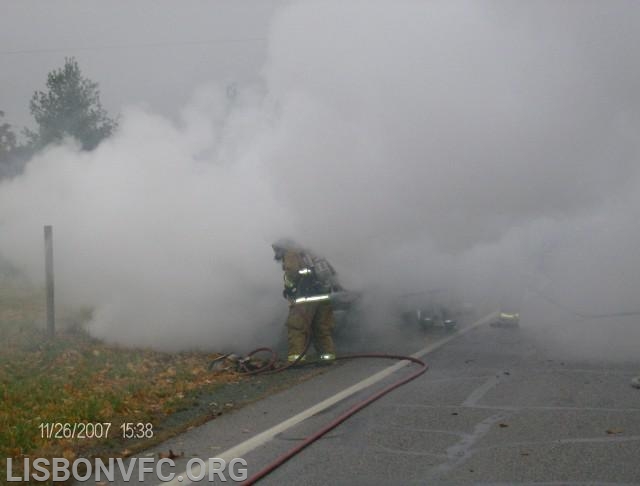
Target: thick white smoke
[
  {"x": 484, "y": 145},
  {"x": 167, "y": 238}
]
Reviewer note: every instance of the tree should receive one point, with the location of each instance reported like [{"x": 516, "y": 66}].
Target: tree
[
  {"x": 70, "y": 107},
  {"x": 12, "y": 155},
  {"x": 7, "y": 139}
]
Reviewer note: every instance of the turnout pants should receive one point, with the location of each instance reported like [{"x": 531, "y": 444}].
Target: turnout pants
[{"x": 311, "y": 317}]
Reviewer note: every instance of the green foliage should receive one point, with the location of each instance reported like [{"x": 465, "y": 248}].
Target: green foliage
[
  {"x": 12, "y": 155},
  {"x": 7, "y": 139},
  {"x": 70, "y": 107}
]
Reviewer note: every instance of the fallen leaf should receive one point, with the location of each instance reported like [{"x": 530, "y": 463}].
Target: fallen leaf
[
  {"x": 69, "y": 454},
  {"x": 614, "y": 431},
  {"x": 170, "y": 455},
  {"x": 503, "y": 425}
]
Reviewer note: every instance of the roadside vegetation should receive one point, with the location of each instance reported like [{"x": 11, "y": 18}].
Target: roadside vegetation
[
  {"x": 74, "y": 378},
  {"x": 69, "y": 107}
]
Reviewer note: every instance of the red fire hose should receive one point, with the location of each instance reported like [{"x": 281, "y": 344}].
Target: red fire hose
[{"x": 344, "y": 416}]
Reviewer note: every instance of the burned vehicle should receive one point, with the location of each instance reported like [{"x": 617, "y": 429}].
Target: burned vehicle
[
  {"x": 438, "y": 308},
  {"x": 506, "y": 318}
]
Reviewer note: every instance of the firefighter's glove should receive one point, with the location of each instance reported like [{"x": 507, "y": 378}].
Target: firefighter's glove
[{"x": 289, "y": 293}]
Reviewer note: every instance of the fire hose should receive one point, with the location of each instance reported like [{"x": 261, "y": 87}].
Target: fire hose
[{"x": 268, "y": 369}]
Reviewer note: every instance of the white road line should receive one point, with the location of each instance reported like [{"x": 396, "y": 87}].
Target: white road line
[
  {"x": 256, "y": 441},
  {"x": 479, "y": 393}
]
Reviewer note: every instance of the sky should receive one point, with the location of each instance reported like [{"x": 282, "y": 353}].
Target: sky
[
  {"x": 488, "y": 147},
  {"x": 152, "y": 53}
]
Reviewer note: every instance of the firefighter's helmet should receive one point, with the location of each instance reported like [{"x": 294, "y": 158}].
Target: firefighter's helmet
[{"x": 283, "y": 245}]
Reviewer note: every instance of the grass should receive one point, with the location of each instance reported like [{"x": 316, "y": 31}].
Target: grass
[{"x": 76, "y": 379}]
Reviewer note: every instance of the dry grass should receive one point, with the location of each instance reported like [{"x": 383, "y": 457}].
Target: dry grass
[{"x": 76, "y": 379}]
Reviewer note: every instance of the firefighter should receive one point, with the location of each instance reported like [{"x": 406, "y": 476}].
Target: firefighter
[{"x": 308, "y": 283}]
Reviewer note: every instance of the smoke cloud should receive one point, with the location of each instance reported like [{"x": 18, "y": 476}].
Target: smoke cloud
[{"x": 486, "y": 146}]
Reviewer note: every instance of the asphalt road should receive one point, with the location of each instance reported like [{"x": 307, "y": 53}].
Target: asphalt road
[{"x": 494, "y": 408}]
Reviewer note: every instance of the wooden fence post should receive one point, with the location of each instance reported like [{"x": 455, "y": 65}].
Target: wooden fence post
[{"x": 48, "y": 263}]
